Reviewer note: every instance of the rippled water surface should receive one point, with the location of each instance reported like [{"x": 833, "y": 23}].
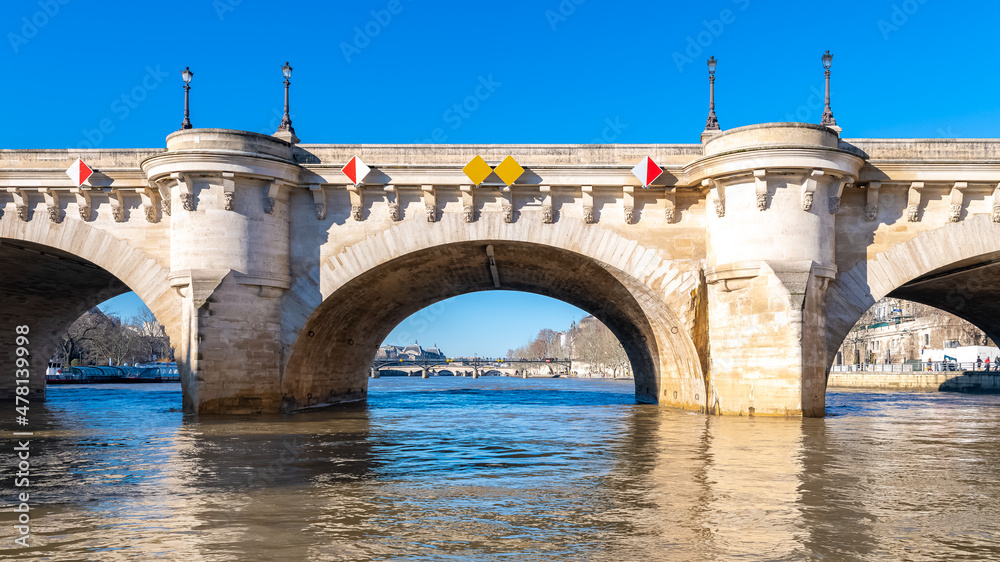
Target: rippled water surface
[{"x": 509, "y": 469}]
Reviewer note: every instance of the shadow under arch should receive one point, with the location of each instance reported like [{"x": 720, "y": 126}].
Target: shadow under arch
[
  {"x": 52, "y": 273},
  {"x": 330, "y": 358},
  {"x": 954, "y": 268}
]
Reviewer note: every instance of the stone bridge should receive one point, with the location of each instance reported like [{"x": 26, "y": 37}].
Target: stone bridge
[
  {"x": 730, "y": 282},
  {"x": 452, "y": 370}
]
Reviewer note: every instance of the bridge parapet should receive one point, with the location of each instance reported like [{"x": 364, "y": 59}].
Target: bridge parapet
[
  {"x": 229, "y": 141},
  {"x": 764, "y": 136}
]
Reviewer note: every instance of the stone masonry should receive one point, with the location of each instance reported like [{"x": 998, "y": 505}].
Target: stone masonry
[{"x": 731, "y": 282}]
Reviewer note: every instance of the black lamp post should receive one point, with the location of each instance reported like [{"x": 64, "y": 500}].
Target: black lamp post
[
  {"x": 712, "y": 124},
  {"x": 186, "y": 74},
  {"x": 828, "y": 119},
  {"x": 286, "y": 120}
]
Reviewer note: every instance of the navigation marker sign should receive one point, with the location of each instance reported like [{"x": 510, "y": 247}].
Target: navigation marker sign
[
  {"x": 509, "y": 170},
  {"x": 356, "y": 170},
  {"x": 79, "y": 172},
  {"x": 647, "y": 171},
  {"x": 477, "y": 170}
]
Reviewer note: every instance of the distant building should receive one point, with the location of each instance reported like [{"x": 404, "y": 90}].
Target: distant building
[
  {"x": 387, "y": 352},
  {"x": 587, "y": 321},
  {"x": 895, "y": 331},
  {"x": 412, "y": 352}
]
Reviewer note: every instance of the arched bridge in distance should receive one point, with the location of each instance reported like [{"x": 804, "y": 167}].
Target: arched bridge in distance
[
  {"x": 462, "y": 366},
  {"x": 731, "y": 281}
]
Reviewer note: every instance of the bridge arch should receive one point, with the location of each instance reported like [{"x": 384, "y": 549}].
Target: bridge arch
[
  {"x": 370, "y": 286},
  {"x": 955, "y": 268},
  {"x": 54, "y": 272}
]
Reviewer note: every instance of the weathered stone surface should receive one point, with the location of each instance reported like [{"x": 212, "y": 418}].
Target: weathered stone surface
[
  {"x": 949, "y": 381},
  {"x": 276, "y": 298}
]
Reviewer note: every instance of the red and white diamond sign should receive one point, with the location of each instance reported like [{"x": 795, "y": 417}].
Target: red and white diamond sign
[
  {"x": 647, "y": 171},
  {"x": 79, "y": 172},
  {"x": 356, "y": 170}
]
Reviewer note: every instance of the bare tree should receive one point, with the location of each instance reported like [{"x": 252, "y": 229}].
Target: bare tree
[
  {"x": 542, "y": 346},
  {"x": 114, "y": 341},
  {"x": 97, "y": 337},
  {"x": 77, "y": 343},
  {"x": 595, "y": 344},
  {"x": 590, "y": 342}
]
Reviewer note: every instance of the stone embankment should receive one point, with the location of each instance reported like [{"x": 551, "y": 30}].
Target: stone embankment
[{"x": 944, "y": 381}]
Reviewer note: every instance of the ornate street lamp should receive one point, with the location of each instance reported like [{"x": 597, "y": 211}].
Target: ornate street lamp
[
  {"x": 828, "y": 119},
  {"x": 286, "y": 120},
  {"x": 712, "y": 124},
  {"x": 186, "y": 74}
]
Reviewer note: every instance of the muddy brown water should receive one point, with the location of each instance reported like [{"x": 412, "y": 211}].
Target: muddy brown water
[{"x": 507, "y": 469}]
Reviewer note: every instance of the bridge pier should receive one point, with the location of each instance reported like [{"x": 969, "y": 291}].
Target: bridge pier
[
  {"x": 229, "y": 261},
  {"x": 768, "y": 345},
  {"x": 771, "y": 257}
]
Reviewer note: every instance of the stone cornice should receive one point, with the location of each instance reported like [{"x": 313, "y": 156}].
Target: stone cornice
[
  {"x": 57, "y": 179},
  {"x": 927, "y": 150},
  {"x": 744, "y": 162},
  {"x": 943, "y": 172},
  {"x": 217, "y": 162}
]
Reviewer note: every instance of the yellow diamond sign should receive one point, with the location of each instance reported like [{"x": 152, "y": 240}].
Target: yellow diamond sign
[
  {"x": 509, "y": 170},
  {"x": 477, "y": 170}
]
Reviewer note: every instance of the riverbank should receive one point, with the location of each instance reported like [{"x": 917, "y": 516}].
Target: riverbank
[{"x": 942, "y": 381}]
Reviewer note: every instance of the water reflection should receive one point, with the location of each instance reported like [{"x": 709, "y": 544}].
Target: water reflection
[
  {"x": 256, "y": 479},
  {"x": 457, "y": 468},
  {"x": 916, "y": 477},
  {"x": 839, "y": 527},
  {"x": 721, "y": 487}
]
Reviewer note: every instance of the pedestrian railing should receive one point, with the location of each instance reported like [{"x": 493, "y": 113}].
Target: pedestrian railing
[{"x": 917, "y": 367}]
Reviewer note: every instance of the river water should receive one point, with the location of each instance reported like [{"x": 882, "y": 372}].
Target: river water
[{"x": 508, "y": 469}]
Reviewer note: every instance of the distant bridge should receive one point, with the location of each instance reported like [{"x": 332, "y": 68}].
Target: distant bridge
[{"x": 463, "y": 366}]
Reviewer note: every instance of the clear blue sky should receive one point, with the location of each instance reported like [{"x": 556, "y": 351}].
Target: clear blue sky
[
  {"x": 546, "y": 71},
  {"x": 487, "y": 324}
]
